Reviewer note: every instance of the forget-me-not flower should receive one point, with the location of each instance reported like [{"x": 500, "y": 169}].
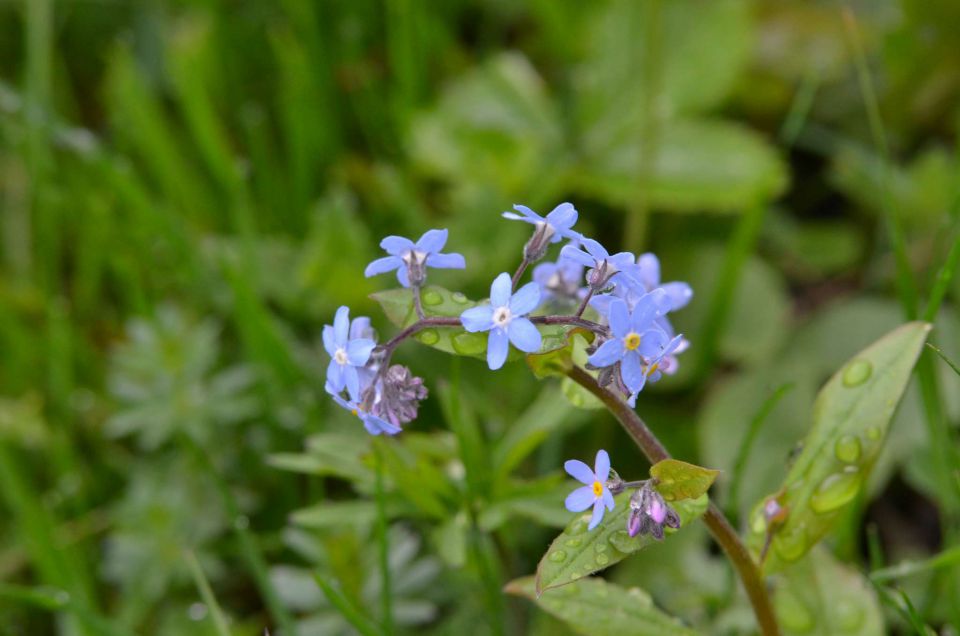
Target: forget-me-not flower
[
  {"x": 374, "y": 425},
  {"x": 504, "y": 318},
  {"x": 561, "y": 279},
  {"x": 347, "y": 354},
  {"x": 411, "y": 259},
  {"x": 605, "y": 267},
  {"x": 647, "y": 273},
  {"x": 595, "y": 493},
  {"x": 557, "y": 223},
  {"x": 635, "y": 339}
]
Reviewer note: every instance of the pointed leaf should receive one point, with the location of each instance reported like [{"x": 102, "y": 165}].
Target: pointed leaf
[
  {"x": 819, "y": 595},
  {"x": 678, "y": 480},
  {"x": 851, "y": 416},
  {"x": 579, "y": 552},
  {"x": 598, "y": 608}
]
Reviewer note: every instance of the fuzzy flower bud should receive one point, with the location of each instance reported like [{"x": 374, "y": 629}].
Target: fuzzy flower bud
[
  {"x": 399, "y": 395},
  {"x": 650, "y": 513}
]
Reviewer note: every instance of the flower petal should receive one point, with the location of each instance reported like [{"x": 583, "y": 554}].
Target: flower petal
[
  {"x": 477, "y": 318},
  {"x": 597, "y": 516},
  {"x": 403, "y": 276},
  {"x": 608, "y": 498},
  {"x": 528, "y": 214},
  {"x": 649, "y": 271},
  {"x": 446, "y": 261},
  {"x": 597, "y": 251},
  {"x": 360, "y": 326},
  {"x": 383, "y": 265},
  {"x": 358, "y": 351},
  {"x": 328, "y": 340},
  {"x": 601, "y": 466},
  {"x": 497, "y": 348},
  {"x": 652, "y": 343},
  {"x": 631, "y": 372},
  {"x": 524, "y": 335},
  {"x": 352, "y": 380},
  {"x": 341, "y": 326},
  {"x": 376, "y": 425},
  {"x": 525, "y": 299},
  {"x": 577, "y": 255},
  {"x": 609, "y": 352},
  {"x": 619, "y": 318},
  {"x": 335, "y": 376},
  {"x": 678, "y": 294},
  {"x": 500, "y": 290},
  {"x": 579, "y": 471},
  {"x": 562, "y": 217},
  {"x": 580, "y": 499},
  {"x": 396, "y": 245},
  {"x": 646, "y": 310},
  {"x": 432, "y": 241}
]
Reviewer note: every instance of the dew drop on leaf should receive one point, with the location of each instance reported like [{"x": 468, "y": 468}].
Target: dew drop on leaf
[
  {"x": 469, "y": 344},
  {"x": 847, "y": 449},
  {"x": 431, "y": 297},
  {"x": 459, "y": 298},
  {"x": 622, "y": 541},
  {"x": 558, "y": 556},
  {"x": 873, "y": 432},
  {"x": 792, "y": 544},
  {"x": 428, "y": 336},
  {"x": 602, "y": 559},
  {"x": 574, "y": 542},
  {"x": 836, "y": 490},
  {"x": 600, "y": 547},
  {"x": 857, "y": 372}
]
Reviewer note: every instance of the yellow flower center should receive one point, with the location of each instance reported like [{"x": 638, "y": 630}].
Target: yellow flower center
[
  {"x": 632, "y": 341},
  {"x": 597, "y": 489}
]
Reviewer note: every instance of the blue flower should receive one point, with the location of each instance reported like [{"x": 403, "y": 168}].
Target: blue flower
[
  {"x": 557, "y": 224},
  {"x": 605, "y": 267},
  {"x": 560, "y": 279},
  {"x": 347, "y": 354},
  {"x": 635, "y": 338},
  {"x": 595, "y": 493},
  {"x": 647, "y": 273},
  {"x": 504, "y": 318},
  {"x": 374, "y": 425},
  {"x": 409, "y": 258},
  {"x": 664, "y": 361}
]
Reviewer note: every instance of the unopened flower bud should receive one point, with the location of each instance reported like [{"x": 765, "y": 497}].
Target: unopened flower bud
[
  {"x": 536, "y": 247},
  {"x": 416, "y": 263},
  {"x": 650, "y": 513}
]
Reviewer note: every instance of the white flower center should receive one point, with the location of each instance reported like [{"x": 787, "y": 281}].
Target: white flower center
[
  {"x": 340, "y": 356},
  {"x": 413, "y": 256},
  {"x": 547, "y": 229},
  {"x": 502, "y": 316}
]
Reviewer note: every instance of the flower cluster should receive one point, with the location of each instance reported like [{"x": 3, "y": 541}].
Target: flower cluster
[
  {"x": 618, "y": 296},
  {"x": 649, "y": 512}
]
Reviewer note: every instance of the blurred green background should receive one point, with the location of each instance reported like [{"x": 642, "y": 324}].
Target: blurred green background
[{"x": 189, "y": 189}]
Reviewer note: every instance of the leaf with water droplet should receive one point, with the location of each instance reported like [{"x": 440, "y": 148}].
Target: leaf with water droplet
[
  {"x": 397, "y": 304},
  {"x": 820, "y": 595},
  {"x": 852, "y": 413},
  {"x": 594, "y": 606},
  {"x": 677, "y": 480},
  {"x": 579, "y": 545}
]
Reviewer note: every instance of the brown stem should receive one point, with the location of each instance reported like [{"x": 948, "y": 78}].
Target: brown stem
[
  {"x": 517, "y": 274},
  {"x": 583, "y": 304},
  {"x": 723, "y": 533}
]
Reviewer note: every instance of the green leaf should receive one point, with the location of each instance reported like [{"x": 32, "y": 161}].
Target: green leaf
[
  {"x": 699, "y": 165},
  {"x": 555, "y": 362},
  {"x": 579, "y": 552},
  {"x": 851, "y": 417},
  {"x": 677, "y": 480},
  {"x": 397, "y": 304},
  {"x": 819, "y": 595},
  {"x": 598, "y": 608}
]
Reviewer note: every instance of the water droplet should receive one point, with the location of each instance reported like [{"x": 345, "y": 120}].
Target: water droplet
[
  {"x": 857, "y": 372},
  {"x": 792, "y": 613},
  {"x": 791, "y": 544},
  {"x": 874, "y": 433},
  {"x": 431, "y": 297},
  {"x": 849, "y": 616},
  {"x": 558, "y": 556},
  {"x": 429, "y": 336},
  {"x": 847, "y": 449},
  {"x": 588, "y": 567},
  {"x": 470, "y": 344},
  {"x": 574, "y": 542},
  {"x": 459, "y": 298},
  {"x": 575, "y": 576},
  {"x": 577, "y": 527},
  {"x": 602, "y": 559},
  {"x": 600, "y": 547},
  {"x": 835, "y": 491},
  {"x": 623, "y": 541}
]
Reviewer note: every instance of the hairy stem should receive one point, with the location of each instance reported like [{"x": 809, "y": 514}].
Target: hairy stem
[
  {"x": 517, "y": 274},
  {"x": 723, "y": 533}
]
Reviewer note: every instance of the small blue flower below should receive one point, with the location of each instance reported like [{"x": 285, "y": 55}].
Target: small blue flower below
[
  {"x": 595, "y": 491},
  {"x": 348, "y": 355}
]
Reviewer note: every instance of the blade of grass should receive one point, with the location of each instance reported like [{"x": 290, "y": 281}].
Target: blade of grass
[
  {"x": 347, "y": 609},
  {"x": 383, "y": 543},
  {"x": 206, "y": 593},
  {"x": 743, "y": 454},
  {"x": 944, "y": 357},
  {"x": 800, "y": 108},
  {"x": 944, "y": 275},
  {"x": 909, "y": 568}
]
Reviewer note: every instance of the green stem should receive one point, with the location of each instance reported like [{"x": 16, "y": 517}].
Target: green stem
[
  {"x": 206, "y": 593},
  {"x": 723, "y": 533},
  {"x": 383, "y": 544}
]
